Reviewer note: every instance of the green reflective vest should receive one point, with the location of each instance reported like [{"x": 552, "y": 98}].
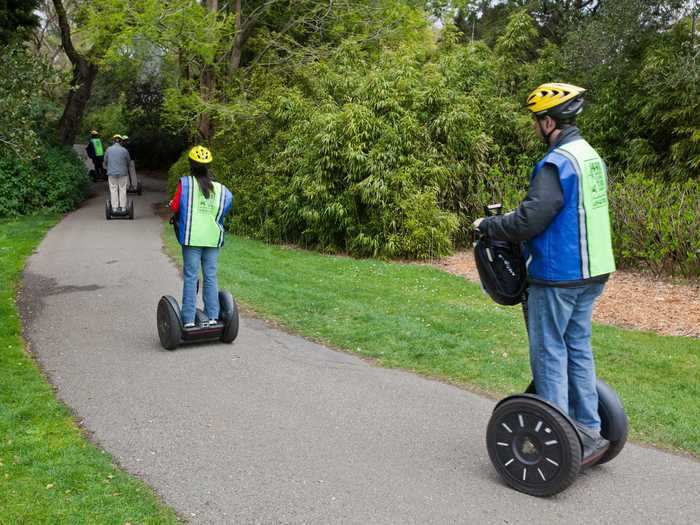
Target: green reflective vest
[
  {"x": 97, "y": 144},
  {"x": 577, "y": 244},
  {"x": 203, "y": 214}
]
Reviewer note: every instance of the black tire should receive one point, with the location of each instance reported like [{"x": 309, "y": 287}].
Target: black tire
[
  {"x": 613, "y": 419},
  {"x": 534, "y": 448},
  {"x": 131, "y": 210},
  {"x": 169, "y": 324},
  {"x": 229, "y": 315},
  {"x": 139, "y": 188},
  {"x": 93, "y": 175},
  {"x": 108, "y": 210}
]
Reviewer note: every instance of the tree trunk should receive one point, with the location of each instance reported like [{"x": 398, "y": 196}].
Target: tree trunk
[
  {"x": 81, "y": 87},
  {"x": 84, "y": 73},
  {"x": 235, "y": 62}
]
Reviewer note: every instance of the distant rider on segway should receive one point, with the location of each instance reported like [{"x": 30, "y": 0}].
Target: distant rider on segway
[
  {"x": 200, "y": 205},
  {"x": 95, "y": 152},
  {"x": 117, "y": 162},
  {"x": 566, "y": 228}
]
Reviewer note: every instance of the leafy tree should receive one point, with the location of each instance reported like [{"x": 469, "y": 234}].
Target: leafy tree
[
  {"x": 23, "y": 109},
  {"x": 17, "y": 19}
]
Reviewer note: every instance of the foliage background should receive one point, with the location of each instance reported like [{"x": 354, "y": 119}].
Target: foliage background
[
  {"x": 391, "y": 147},
  {"x": 375, "y": 127},
  {"x": 34, "y": 174}
]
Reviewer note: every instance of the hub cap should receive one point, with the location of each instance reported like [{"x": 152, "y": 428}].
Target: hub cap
[{"x": 528, "y": 447}]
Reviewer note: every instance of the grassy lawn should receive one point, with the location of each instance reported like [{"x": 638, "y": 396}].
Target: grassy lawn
[
  {"x": 440, "y": 325},
  {"x": 48, "y": 472}
]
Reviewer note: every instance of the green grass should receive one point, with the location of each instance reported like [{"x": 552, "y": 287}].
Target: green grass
[
  {"x": 423, "y": 319},
  {"x": 48, "y": 472}
]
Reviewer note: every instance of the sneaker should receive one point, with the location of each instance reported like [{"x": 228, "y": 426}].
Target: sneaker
[
  {"x": 189, "y": 325},
  {"x": 212, "y": 322},
  {"x": 594, "y": 445}
]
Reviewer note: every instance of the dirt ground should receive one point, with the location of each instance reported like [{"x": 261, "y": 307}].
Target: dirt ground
[{"x": 631, "y": 299}]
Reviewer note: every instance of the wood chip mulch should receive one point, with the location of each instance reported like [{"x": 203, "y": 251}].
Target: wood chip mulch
[{"x": 631, "y": 299}]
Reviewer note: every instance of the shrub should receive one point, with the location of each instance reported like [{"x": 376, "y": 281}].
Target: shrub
[
  {"x": 656, "y": 224},
  {"x": 56, "y": 180}
]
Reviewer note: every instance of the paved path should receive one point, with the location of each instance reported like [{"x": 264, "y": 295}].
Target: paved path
[{"x": 275, "y": 429}]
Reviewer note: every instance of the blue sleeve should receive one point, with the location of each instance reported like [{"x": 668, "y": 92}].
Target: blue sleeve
[{"x": 228, "y": 201}]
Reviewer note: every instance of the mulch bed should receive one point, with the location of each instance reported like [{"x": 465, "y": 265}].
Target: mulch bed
[{"x": 630, "y": 300}]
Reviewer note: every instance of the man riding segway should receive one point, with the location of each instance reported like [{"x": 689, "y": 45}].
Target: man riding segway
[
  {"x": 117, "y": 163},
  {"x": 566, "y": 228}
]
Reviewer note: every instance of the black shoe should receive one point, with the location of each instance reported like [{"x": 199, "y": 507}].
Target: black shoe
[{"x": 594, "y": 445}]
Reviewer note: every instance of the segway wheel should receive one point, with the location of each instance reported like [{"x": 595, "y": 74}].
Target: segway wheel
[
  {"x": 139, "y": 188},
  {"x": 131, "y": 210},
  {"x": 613, "y": 421},
  {"x": 229, "y": 315},
  {"x": 108, "y": 210},
  {"x": 93, "y": 175},
  {"x": 169, "y": 326},
  {"x": 533, "y": 446}
]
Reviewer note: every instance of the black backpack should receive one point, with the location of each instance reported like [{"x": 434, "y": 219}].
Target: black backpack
[{"x": 501, "y": 267}]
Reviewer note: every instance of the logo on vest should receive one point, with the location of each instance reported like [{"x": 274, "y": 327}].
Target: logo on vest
[
  {"x": 594, "y": 172},
  {"x": 205, "y": 205}
]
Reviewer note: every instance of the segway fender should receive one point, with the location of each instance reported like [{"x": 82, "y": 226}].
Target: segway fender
[{"x": 528, "y": 395}]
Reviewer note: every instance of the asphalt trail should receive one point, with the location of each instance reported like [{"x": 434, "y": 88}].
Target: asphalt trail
[{"x": 276, "y": 429}]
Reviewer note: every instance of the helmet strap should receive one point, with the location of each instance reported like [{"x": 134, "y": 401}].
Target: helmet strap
[{"x": 546, "y": 135}]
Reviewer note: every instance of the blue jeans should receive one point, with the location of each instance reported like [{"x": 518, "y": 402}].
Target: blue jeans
[
  {"x": 559, "y": 326},
  {"x": 193, "y": 257}
]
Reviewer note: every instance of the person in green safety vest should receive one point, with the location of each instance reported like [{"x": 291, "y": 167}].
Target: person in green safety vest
[
  {"x": 200, "y": 206},
  {"x": 564, "y": 222},
  {"x": 95, "y": 151}
]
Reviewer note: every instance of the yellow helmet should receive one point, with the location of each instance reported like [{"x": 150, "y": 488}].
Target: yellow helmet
[
  {"x": 94, "y": 132},
  {"x": 557, "y": 100},
  {"x": 201, "y": 155},
  {"x": 117, "y": 136}
]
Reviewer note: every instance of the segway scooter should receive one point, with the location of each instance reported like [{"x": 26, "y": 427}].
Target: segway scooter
[
  {"x": 534, "y": 446},
  {"x": 124, "y": 213},
  {"x": 172, "y": 331},
  {"x": 134, "y": 186}
]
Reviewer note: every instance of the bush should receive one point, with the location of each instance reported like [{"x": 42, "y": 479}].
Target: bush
[
  {"x": 656, "y": 224},
  {"x": 56, "y": 180},
  {"x": 24, "y": 110}
]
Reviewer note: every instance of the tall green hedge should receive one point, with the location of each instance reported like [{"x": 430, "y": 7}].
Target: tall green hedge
[
  {"x": 56, "y": 180},
  {"x": 394, "y": 152}
]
